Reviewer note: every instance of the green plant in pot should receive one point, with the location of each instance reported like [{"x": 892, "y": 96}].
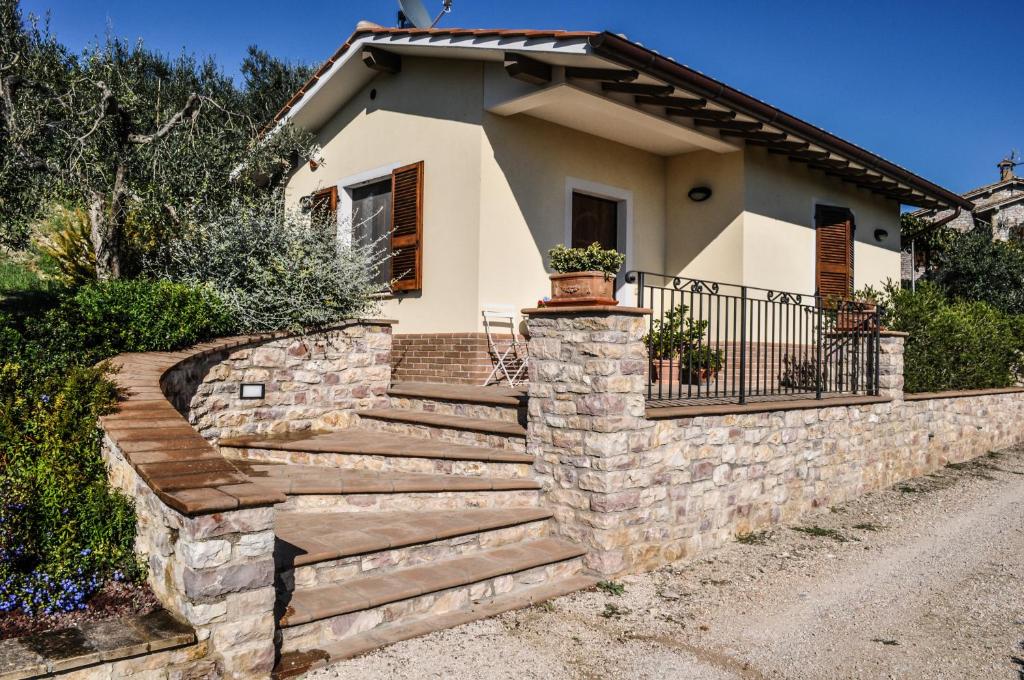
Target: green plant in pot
[
  {"x": 703, "y": 363},
  {"x": 584, "y": 276},
  {"x": 675, "y": 345}
]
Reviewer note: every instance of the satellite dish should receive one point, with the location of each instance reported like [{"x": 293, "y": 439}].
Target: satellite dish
[{"x": 413, "y": 13}]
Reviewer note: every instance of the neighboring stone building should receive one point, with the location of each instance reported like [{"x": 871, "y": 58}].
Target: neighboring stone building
[{"x": 1000, "y": 205}]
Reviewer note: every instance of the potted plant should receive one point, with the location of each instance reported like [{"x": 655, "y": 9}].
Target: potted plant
[
  {"x": 858, "y": 314},
  {"x": 584, "y": 276},
  {"x": 702, "y": 364},
  {"x": 675, "y": 349}
]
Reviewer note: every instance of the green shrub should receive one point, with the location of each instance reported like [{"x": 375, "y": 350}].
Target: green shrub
[
  {"x": 953, "y": 344},
  {"x": 100, "y": 320},
  {"x": 593, "y": 258},
  {"x": 973, "y": 266},
  {"x": 274, "y": 268},
  {"x": 63, "y": 531}
]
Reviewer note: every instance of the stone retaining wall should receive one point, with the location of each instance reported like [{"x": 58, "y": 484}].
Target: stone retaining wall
[
  {"x": 315, "y": 381},
  {"x": 640, "y": 491},
  {"x": 215, "y": 571},
  {"x": 204, "y": 529}
]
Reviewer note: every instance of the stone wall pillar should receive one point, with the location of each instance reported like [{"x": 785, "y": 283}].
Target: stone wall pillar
[
  {"x": 587, "y": 430},
  {"x": 215, "y": 571},
  {"x": 890, "y": 364}
]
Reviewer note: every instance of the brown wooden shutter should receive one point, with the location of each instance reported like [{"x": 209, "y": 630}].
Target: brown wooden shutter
[
  {"x": 407, "y": 227},
  {"x": 324, "y": 206},
  {"x": 834, "y": 252}
]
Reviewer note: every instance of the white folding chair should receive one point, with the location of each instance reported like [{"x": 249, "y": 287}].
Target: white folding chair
[{"x": 509, "y": 356}]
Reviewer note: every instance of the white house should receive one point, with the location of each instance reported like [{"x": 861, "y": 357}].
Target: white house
[{"x": 482, "y": 149}]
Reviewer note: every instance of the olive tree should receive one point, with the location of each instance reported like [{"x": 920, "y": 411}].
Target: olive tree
[{"x": 146, "y": 144}]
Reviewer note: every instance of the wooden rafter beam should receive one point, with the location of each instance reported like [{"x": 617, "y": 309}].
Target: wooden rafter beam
[
  {"x": 638, "y": 88},
  {"x": 673, "y": 102},
  {"x": 527, "y": 69},
  {"x": 612, "y": 74},
  {"x": 703, "y": 114},
  {"x": 738, "y": 125},
  {"x": 760, "y": 135},
  {"x": 785, "y": 147},
  {"x": 381, "y": 60}
]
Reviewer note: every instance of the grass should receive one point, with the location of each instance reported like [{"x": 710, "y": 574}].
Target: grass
[
  {"x": 611, "y": 587},
  {"x": 822, "y": 532},
  {"x": 868, "y": 526},
  {"x": 612, "y": 611},
  {"x": 16, "y": 277},
  {"x": 755, "y": 537}
]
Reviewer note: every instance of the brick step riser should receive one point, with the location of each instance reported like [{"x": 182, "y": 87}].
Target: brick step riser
[
  {"x": 359, "y": 461},
  {"x": 317, "y": 634},
  {"x": 387, "y": 561},
  {"x": 434, "y": 433},
  {"x": 507, "y": 414},
  {"x": 411, "y": 502}
]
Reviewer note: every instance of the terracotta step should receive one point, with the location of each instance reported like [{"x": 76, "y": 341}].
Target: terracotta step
[
  {"x": 317, "y": 549},
  {"x": 293, "y": 664},
  {"x": 301, "y": 480},
  {"x": 368, "y": 592},
  {"x": 493, "y": 395},
  {"x": 380, "y": 451},
  {"x": 446, "y": 422},
  {"x": 375, "y": 443}
]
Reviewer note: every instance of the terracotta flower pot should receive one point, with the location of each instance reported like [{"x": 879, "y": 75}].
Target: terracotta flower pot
[
  {"x": 583, "y": 289},
  {"x": 665, "y": 371},
  {"x": 699, "y": 376},
  {"x": 860, "y": 319}
]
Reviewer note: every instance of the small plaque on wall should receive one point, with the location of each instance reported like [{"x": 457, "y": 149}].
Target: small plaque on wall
[{"x": 252, "y": 391}]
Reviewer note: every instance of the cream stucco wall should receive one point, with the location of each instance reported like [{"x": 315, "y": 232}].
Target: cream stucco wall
[
  {"x": 526, "y": 164},
  {"x": 496, "y": 197},
  {"x": 705, "y": 240},
  {"x": 778, "y": 225},
  {"x": 431, "y": 112}
]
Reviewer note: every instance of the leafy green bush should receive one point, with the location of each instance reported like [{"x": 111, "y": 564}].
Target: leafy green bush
[
  {"x": 973, "y": 266},
  {"x": 103, "y": 319},
  {"x": 593, "y": 258},
  {"x": 63, "y": 531},
  {"x": 953, "y": 344}
]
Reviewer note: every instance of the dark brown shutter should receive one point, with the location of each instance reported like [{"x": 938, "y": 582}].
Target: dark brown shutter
[
  {"x": 324, "y": 207},
  {"x": 407, "y": 227},
  {"x": 834, "y": 252}
]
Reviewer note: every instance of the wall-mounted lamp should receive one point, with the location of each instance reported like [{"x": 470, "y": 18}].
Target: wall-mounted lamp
[
  {"x": 252, "y": 391},
  {"x": 698, "y": 194},
  {"x": 881, "y": 235}
]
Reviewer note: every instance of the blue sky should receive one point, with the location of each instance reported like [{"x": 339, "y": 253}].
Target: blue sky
[{"x": 936, "y": 86}]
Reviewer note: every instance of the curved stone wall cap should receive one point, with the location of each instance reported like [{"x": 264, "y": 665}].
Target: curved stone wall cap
[
  {"x": 589, "y": 309},
  {"x": 892, "y": 334}
]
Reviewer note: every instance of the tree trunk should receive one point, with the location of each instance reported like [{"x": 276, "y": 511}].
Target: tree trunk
[
  {"x": 107, "y": 229},
  {"x": 104, "y": 232}
]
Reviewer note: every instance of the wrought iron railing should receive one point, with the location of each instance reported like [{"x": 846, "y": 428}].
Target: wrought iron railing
[{"x": 708, "y": 340}]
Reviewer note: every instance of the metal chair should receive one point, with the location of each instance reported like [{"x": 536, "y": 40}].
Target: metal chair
[{"x": 509, "y": 356}]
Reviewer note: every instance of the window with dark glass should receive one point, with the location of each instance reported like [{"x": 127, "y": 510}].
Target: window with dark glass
[
  {"x": 371, "y": 221},
  {"x": 594, "y": 220}
]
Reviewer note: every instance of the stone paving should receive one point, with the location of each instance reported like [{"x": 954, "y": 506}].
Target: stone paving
[{"x": 98, "y": 648}]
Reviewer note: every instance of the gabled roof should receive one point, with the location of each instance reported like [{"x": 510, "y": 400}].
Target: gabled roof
[
  {"x": 698, "y": 105},
  {"x": 362, "y": 32},
  {"x": 981, "y": 204}
]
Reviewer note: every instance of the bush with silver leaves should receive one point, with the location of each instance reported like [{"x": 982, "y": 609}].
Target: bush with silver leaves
[{"x": 277, "y": 268}]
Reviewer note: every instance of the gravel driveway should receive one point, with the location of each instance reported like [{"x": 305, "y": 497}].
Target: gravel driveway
[{"x": 925, "y": 580}]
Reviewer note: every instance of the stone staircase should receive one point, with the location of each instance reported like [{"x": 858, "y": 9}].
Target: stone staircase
[{"x": 423, "y": 517}]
